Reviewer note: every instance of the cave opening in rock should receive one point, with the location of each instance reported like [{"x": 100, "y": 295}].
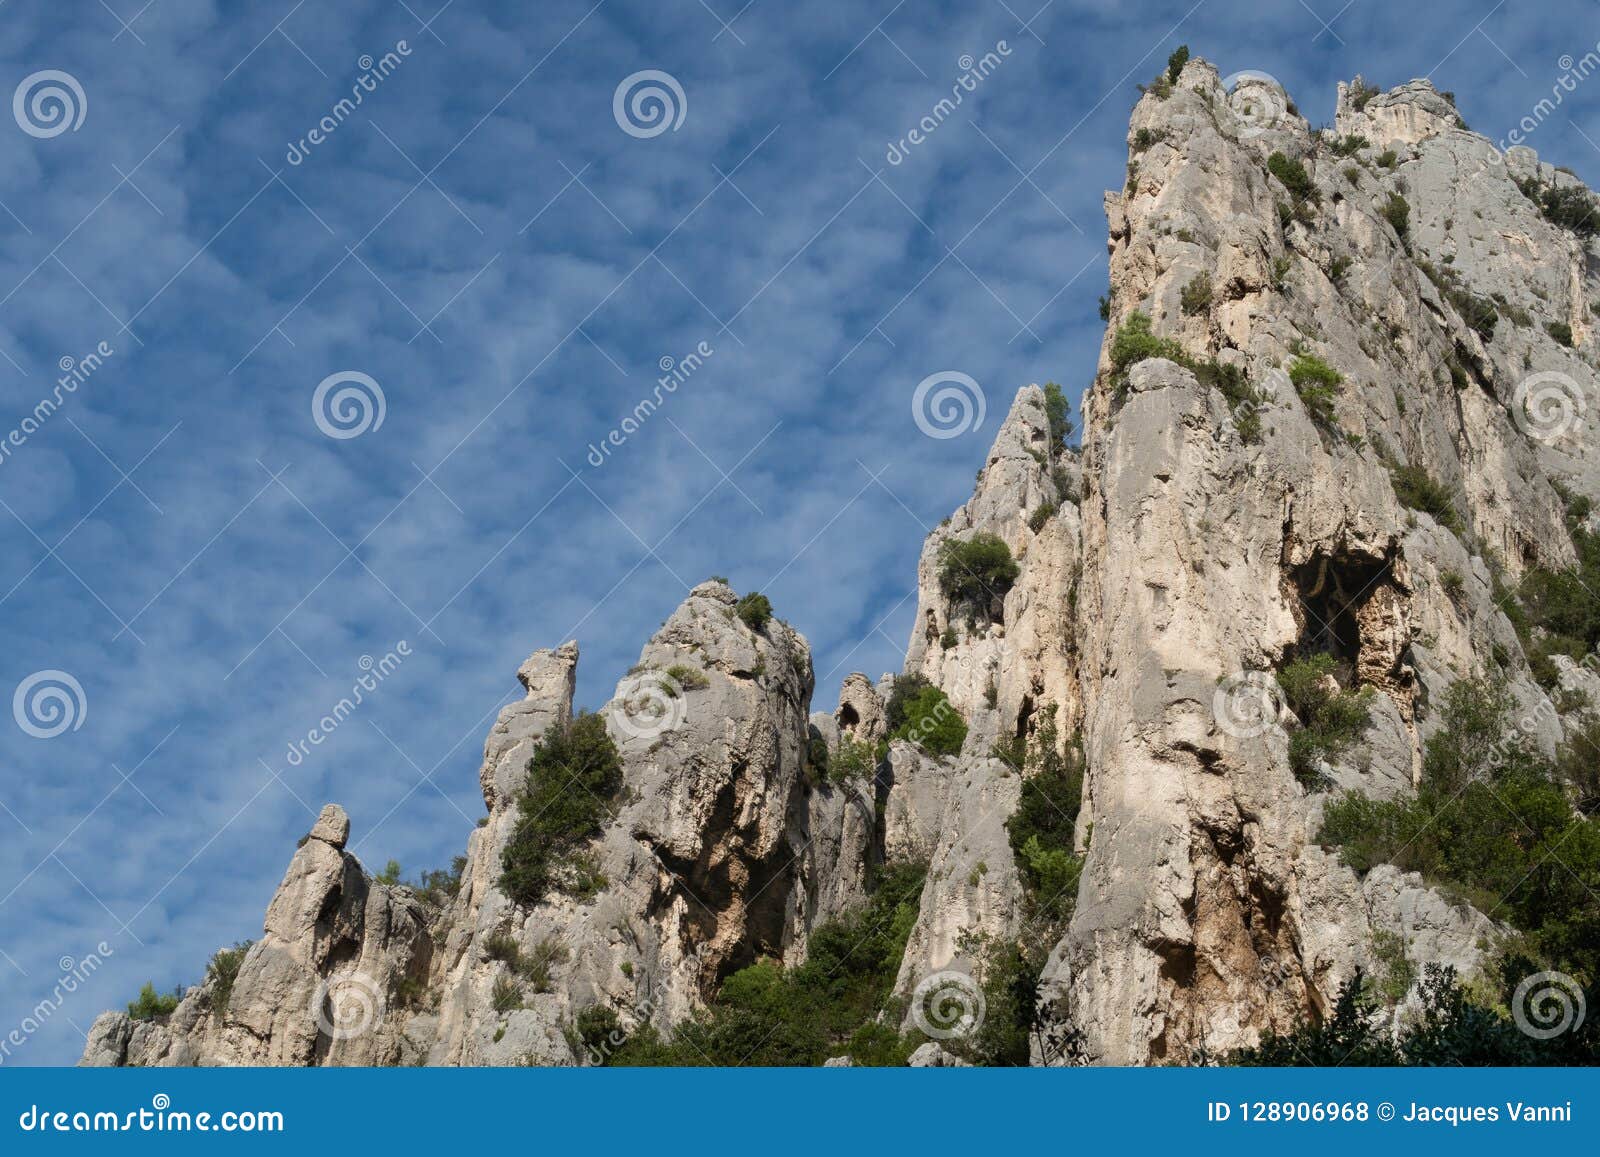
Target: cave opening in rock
[{"x": 1328, "y": 594}]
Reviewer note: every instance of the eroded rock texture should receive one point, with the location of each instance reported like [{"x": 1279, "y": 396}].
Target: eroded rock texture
[{"x": 1165, "y": 572}]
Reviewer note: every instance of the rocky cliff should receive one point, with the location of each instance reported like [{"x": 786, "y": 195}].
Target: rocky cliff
[{"x": 1301, "y": 326}]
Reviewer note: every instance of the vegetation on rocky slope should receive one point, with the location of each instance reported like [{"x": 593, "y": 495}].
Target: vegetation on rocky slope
[
  {"x": 1494, "y": 822},
  {"x": 976, "y": 572},
  {"x": 1457, "y": 1026},
  {"x": 1331, "y": 718},
  {"x": 921, "y": 713},
  {"x": 573, "y": 775},
  {"x": 766, "y": 1014}
]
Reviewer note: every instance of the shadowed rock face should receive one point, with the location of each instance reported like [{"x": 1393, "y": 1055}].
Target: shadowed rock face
[{"x": 1165, "y": 571}]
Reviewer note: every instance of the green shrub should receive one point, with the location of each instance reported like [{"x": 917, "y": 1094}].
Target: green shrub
[
  {"x": 754, "y": 611},
  {"x": 1145, "y": 138},
  {"x": 1349, "y": 146},
  {"x": 573, "y": 775},
  {"x": 1295, "y": 179},
  {"x": 817, "y": 758},
  {"x": 1571, "y": 208},
  {"x": 1397, "y": 211},
  {"x": 1135, "y": 343},
  {"x": 922, "y": 714},
  {"x": 1042, "y": 514},
  {"x": 503, "y": 947},
  {"x": 152, "y": 1004},
  {"x": 221, "y": 972},
  {"x": 597, "y": 1032},
  {"x": 686, "y": 677},
  {"x": 506, "y": 995},
  {"x": 976, "y": 571},
  {"x": 390, "y": 876},
  {"x": 1492, "y": 821},
  {"x": 439, "y": 886},
  {"x": 1058, "y": 417},
  {"x": 1243, "y": 398},
  {"x": 853, "y": 759},
  {"x": 1318, "y": 384},
  {"x": 1361, "y": 92},
  {"x": 1196, "y": 295},
  {"x": 1041, "y": 829},
  {"x": 1453, "y": 583},
  {"x": 902, "y": 690},
  {"x": 1331, "y": 719},
  {"x": 1013, "y": 1019},
  {"x": 1387, "y": 159},
  {"x": 533, "y": 966},
  {"x": 1562, "y": 605},
  {"x": 1578, "y": 769},
  {"x": 1561, "y": 331},
  {"x": 1455, "y": 1028},
  {"x": 1175, "y": 63},
  {"x": 1160, "y": 88},
  {"x": 765, "y": 1014},
  {"x": 1416, "y": 489},
  {"x": 1478, "y": 312}
]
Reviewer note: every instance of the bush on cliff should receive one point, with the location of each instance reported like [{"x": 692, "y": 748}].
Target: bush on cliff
[
  {"x": 1493, "y": 822},
  {"x": 573, "y": 775}
]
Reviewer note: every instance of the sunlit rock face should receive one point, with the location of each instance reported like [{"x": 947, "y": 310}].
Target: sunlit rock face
[{"x": 1164, "y": 572}]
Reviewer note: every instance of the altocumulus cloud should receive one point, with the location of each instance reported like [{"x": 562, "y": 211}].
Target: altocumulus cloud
[{"x": 481, "y": 238}]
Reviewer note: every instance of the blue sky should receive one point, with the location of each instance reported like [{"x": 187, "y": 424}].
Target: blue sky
[{"x": 483, "y": 240}]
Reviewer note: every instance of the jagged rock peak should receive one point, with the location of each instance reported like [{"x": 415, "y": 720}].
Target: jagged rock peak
[{"x": 332, "y": 826}]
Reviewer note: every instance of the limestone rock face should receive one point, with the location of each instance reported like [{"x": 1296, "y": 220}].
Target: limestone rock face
[
  {"x": 333, "y": 979},
  {"x": 1208, "y": 557},
  {"x": 721, "y": 850},
  {"x": 1197, "y": 542},
  {"x": 1000, "y": 667}
]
